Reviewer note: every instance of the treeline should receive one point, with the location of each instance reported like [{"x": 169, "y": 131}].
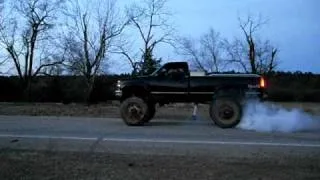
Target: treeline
[
  {"x": 85, "y": 38},
  {"x": 298, "y": 86},
  {"x": 64, "y": 89},
  {"x": 282, "y": 86}
]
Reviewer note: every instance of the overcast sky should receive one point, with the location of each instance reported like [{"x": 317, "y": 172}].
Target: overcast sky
[{"x": 293, "y": 26}]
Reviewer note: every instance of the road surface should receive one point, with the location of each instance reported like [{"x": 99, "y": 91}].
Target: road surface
[{"x": 163, "y": 138}]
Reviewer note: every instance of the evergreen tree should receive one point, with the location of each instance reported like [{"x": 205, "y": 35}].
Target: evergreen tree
[{"x": 149, "y": 64}]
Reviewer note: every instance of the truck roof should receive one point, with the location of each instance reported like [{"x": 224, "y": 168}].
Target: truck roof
[{"x": 234, "y": 75}]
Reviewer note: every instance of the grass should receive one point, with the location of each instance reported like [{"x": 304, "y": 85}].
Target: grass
[{"x": 27, "y": 164}]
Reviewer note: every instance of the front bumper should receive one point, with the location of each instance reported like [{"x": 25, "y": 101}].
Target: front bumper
[
  {"x": 118, "y": 93},
  {"x": 118, "y": 90}
]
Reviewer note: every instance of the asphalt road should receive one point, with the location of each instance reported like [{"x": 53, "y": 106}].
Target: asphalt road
[
  {"x": 105, "y": 148},
  {"x": 158, "y": 137}
]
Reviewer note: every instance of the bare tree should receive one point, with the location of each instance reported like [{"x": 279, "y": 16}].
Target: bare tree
[
  {"x": 2, "y": 62},
  {"x": 90, "y": 33},
  {"x": 236, "y": 54},
  {"x": 189, "y": 48},
  {"x": 261, "y": 55},
  {"x": 151, "y": 20},
  {"x": 266, "y": 57},
  {"x": 211, "y": 46},
  {"x": 58, "y": 69},
  {"x": 126, "y": 49},
  {"x": 205, "y": 52},
  {"x": 3, "y": 59},
  {"x": 25, "y": 35}
]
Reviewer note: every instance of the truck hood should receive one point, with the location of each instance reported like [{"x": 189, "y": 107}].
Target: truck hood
[{"x": 138, "y": 79}]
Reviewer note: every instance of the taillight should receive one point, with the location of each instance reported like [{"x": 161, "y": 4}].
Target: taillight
[{"x": 263, "y": 83}]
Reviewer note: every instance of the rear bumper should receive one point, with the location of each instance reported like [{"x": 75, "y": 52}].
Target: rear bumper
[{"x": 262, "y": 95}]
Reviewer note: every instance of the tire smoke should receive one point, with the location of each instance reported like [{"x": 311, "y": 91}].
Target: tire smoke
[{"x": 268, "y": 117}]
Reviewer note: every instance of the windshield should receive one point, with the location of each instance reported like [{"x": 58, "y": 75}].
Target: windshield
[{"x": 157, "y": 71}]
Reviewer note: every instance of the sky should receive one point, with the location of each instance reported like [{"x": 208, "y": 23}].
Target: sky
[{"x": 293, "y": 26}]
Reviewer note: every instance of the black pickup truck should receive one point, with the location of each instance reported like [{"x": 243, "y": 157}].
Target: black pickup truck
[{"x": 173, "y": 83}]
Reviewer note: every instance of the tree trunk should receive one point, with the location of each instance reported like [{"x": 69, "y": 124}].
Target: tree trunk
[
  {"x": 26, "y": 89},
  {"x": 252, "y": 57},
  {"x": 89, "y": 88}
]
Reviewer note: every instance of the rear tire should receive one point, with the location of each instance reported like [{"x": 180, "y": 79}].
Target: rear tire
[
  {"x": 226, "y": 112},
  {"x": 133, "y": 111}
]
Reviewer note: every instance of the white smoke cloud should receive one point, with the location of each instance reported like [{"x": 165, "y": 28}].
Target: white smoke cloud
[{"x": 268, "y": 117}]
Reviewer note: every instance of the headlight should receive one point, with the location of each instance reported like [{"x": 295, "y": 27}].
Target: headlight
[{"x": 118, "y": 84}]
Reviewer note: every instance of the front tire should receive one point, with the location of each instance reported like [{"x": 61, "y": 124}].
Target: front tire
[
  {"x": 226, "y": 112},
  {"x": 133, "y": 111}
]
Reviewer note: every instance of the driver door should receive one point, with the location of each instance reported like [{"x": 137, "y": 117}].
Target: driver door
[{"x": 171, "y": 83}]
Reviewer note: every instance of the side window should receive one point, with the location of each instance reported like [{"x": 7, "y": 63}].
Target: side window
[
  {"x": 176, "y": 73},
  {"x": 172, "y": 72},
  {"x": 163, "y": 72}
]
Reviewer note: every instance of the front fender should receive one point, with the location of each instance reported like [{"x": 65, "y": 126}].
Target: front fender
[{"x": 139, "y": 90}]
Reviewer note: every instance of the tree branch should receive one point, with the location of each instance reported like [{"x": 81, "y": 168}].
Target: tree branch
[
  {"x": 46, "y": 65},
  {"x": 140, "y": 30}
]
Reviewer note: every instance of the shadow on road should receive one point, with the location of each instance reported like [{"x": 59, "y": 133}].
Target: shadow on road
[
  {"x": 180, "y": 122},
  {"x": 165, "y": 123}
]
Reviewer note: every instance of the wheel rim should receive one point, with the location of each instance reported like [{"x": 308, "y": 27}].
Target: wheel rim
[
  {"x": 226, "y": 112},
  {"x": 135, "y": 112}
]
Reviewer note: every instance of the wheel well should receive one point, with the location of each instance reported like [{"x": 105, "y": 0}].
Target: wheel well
[
  {"x": 229, "y": 92},
  {"x": 137, "y": 91}
]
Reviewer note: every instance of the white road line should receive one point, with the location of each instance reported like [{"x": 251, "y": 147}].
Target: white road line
[
  {"x": 144, "y": 140},
  {"x": 213, "y": 142},
  {"x": 47, "y": 137}
]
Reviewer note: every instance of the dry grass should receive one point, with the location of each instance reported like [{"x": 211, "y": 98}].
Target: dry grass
[
  {"x": 313, "y": 108},
  {"x": 57, "y": 109},
  {"x": 19, "y": 164}
]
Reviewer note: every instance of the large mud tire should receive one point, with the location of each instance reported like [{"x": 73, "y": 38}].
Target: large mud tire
[
  {"x": 226, "y": 112},
  {"x": 133, "y": 111}
]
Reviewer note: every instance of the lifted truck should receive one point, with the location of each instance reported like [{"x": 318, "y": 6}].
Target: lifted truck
[{"x": 173, "y": 83}]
